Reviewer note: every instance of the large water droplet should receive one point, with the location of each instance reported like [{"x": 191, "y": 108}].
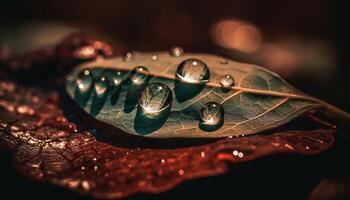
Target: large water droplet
[
  {"x": 193, "y": 71},
  {"x": 84, "y": 80},
  {"x": 155, "y": 98},
  {"x": 212, "y": 113},
  {"x": 139, "y": 75},
  {"x": 227, "y": 81},
  {"x": 176, "y": 51},
  {"x": 101, "y": 85}
]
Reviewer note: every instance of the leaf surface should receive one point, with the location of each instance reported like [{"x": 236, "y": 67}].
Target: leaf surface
[{"x": 258, "y": 100}]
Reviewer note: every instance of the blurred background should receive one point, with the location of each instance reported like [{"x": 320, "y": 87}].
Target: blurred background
[{"x": 306, "y": 42}]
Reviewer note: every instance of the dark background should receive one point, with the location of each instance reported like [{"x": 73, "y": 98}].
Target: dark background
[{"x": 311, "y": 34}]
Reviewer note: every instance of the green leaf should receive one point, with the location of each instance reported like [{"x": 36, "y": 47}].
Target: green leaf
[{"x": 258, "y": 100}]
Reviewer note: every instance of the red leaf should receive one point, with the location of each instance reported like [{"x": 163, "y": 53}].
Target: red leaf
[{"x": 49, "y": 148}]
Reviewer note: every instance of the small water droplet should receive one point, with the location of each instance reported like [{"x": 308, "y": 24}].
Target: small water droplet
[
  {"x": 154, "y": 57},
  {"x": 116, "y": 77},
  {"x": 95, "y": 168},
  {"x": 193, "y": 71},
  {"x": 139, "y": 75},
  {"x": 227, "y": 81},
  {"x": 155, "y": 98},
  {"x": 235, "y": 153},
  {"x": 212, "y": 113},
  {"x": 224, "y": 61},
  {"x": 84, "y": 80},
  {"x": 181, "y": 172},
  {"x": 176, "y": 51},
  {"x": 162, "y": 161},
  {"x": 240, "y": 155},
  {"x": 128, "y": 57},
  {"x": 101, "y": 85}
]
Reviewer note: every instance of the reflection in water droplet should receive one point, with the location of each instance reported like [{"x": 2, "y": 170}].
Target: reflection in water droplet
[
  {"x": 128, "y": 57},
  {"x": 155, "y": 98},
  {"x": 176, "y": 51},
  {"x": 193, "y": 71},
  {"x": 227, "y": 81},
  {"x": 212, "y": 113},
  {"x": 139, "y": 75},
  {"x": 101, "y": 86},
  {"x": 84, "y": 80},
  {"x": 154, "y": 57}
]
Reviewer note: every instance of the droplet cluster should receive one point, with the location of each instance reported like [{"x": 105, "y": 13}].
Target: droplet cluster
[{"x": 155, "y": 98}]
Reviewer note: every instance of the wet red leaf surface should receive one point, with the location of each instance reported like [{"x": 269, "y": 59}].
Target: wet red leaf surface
[{"x": 48, "y": 147}]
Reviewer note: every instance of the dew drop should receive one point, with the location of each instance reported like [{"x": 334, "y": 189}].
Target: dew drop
[
  {"x": 139, "y": 75},
  {"x": 154, "y": 57},
  {"x": 116, "y": 77},
  {"x": 128, "y": 57},
  {"x": 212, "y": 113},
  {"x": 176, "y": 51},
  {"x": 227, "y": 81},
  {"x": 193, "y": 71},
  {"x": 101, "y": 85},
  {"x": 84, "y": 80},
  {"x": 155, "y": 98}
]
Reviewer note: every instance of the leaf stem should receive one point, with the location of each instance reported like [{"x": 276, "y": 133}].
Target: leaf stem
[{"x": 335, "y": 111}]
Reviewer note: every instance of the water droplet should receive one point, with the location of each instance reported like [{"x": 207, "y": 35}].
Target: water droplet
[
  {"x": 139, "y": 75},
  {"x": 128, "y": 57},
  {"x": 116, "y": 77},
  {"x": 212, "y": 113},
  {"x": 101, "y": 85},
  {"x": 235, "y": 153},
  {"x": 154, "y": 57},
  {"x": 193, "y": 71},
  {"x": 176, "y": 51},
  {"x": 155, "y": 98},
  {"x": 227, "y": 81},
  {"x": 181, "y": 172},
  {"x": 84, "y": 80}
]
